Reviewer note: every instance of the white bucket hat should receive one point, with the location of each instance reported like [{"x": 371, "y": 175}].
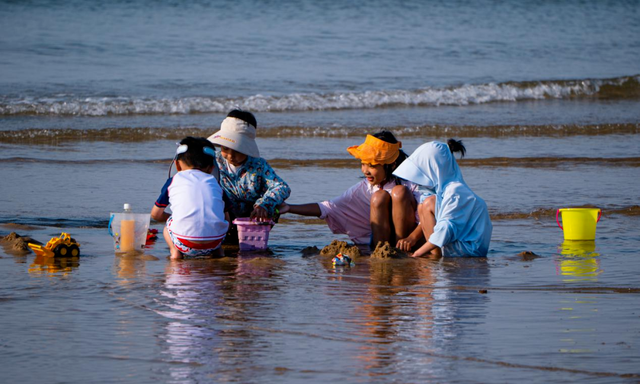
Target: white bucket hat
[{"x": 238, "y": 135}]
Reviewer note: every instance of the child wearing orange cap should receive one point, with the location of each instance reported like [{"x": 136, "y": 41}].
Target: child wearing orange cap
[{"x": 380, "y": 208}]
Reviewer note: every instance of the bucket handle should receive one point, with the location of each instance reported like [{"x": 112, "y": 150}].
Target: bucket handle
[
  {"x": 599, "y": 215},
  {"x": 109, "y": 226},
  {"x": 558, "y": 221}
]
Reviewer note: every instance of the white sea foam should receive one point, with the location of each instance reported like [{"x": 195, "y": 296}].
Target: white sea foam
[{"x": 455, "y": 95}]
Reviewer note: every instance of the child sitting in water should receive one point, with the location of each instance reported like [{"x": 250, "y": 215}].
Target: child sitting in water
[
  {"x": 455, "y": 221},
  {"x": 250, "y": 184},
  {"x": 379, "y": 208},
  {"x": 197, "y": 225}
]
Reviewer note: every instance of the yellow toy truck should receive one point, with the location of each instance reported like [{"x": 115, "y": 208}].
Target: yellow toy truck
[{"x": 63, "y": 246}]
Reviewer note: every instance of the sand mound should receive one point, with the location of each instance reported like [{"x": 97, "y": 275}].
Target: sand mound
[
  {"x": 528, "y": 255},
  {"x": 338, "y": 246},
  {"x": 17, "y": 243},
  {"x": 386, "y": 251},
  {"x": 11, "y": 237}
]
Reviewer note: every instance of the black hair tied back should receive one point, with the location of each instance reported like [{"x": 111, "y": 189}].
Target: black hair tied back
[{"x": 456, "y": 146}]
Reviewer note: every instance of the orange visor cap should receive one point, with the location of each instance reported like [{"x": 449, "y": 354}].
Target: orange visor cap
[{"x": 375, "y": 151}]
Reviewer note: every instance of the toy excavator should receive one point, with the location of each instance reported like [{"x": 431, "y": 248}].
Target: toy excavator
[{"x": 63, "y": 246}]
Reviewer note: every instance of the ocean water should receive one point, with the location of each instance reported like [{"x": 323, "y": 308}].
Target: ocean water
[{"x": 545, "y": 96}]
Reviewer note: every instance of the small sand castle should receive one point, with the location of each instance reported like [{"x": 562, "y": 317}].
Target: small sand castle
[
  {"x": 17, "y": 243},
  {"x": 386, "y": 251},
  {"x": 338, "y": 246}
]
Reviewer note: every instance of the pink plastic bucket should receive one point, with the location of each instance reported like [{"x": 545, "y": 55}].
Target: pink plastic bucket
[{"x": 252, "y": 235}]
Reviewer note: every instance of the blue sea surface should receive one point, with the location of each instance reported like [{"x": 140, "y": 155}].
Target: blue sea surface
[{"x": 149, "y": 49}]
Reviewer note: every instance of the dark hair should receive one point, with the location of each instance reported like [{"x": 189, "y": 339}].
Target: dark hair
[
  {"x": 244, "y": 116},
  {"x": 456, "y": 146},
  {"x": 195, "y": 156},
  {"x": 388, "y": 137}
]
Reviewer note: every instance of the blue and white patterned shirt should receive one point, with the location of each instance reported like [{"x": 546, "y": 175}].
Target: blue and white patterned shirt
[{"x": 252, "y": 183}]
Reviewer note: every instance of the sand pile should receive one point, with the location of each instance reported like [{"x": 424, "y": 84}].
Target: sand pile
[
  {"x": 338, "y": 246},
  {"x": 17, "y": 243},
  {"x": 528, "y": 256},
  {"x": 386, "y": 251}
]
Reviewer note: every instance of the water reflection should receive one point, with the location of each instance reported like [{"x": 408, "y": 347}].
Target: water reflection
[
  {"x": 578, "y": 261},
  {"x": 418, "y": 305},
  {"x": 398, "y": 306},
  {"x": 211, "y": 306},
  {"x": 130, "y": 265},
  {"x": 228, "y": 319},
  {"x": 53, "y": 265},
  {"x": 459, "y": 308}
]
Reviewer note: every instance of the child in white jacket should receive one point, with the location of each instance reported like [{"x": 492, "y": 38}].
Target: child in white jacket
[{"x": 454, "y": 220}]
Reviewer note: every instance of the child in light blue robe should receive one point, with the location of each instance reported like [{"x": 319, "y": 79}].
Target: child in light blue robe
[{"x": 454, "y": 220}]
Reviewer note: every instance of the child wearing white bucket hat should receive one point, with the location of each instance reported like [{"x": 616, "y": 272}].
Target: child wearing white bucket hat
[
  {"x": 238, "y": 132},
  {"x": 252, "y": 187}
]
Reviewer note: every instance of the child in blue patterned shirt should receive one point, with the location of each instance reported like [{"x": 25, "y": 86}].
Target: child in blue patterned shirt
[{"x": 251, "y": 186}]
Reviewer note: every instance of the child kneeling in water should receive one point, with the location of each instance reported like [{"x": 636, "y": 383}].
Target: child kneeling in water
[
  {"x": 252, "y": 188},
  {"x": 455, "y": 221},
  {"x": 197, "y": 225},
  {"x": 379, "y": 208}
]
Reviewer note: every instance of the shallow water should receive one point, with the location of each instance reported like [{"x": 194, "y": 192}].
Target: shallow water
[
  {"x": 281, "y": 316},
  {"x": 568, "y": 315}
]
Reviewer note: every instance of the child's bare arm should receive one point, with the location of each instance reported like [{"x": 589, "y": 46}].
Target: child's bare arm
[
  {"x": 159, "y": 214},
  {"x": 428, "y": 249},
  {"x": 311, "y": 209}
]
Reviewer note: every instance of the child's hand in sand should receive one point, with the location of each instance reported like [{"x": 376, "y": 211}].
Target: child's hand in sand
[
  {"x": 406, "y": 244},
  {"x": 427, "y": 250},
  {"x": 283, "y": 208}
]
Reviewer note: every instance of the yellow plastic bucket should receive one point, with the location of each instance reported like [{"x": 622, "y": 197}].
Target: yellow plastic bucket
[{"x": 579, "y": 223}]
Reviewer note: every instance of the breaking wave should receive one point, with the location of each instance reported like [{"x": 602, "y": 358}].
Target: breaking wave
[{"x": 627, "y": 87}]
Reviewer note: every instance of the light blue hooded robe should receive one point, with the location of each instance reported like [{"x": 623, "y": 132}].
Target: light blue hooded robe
[{"x": 463, "y": 226}]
